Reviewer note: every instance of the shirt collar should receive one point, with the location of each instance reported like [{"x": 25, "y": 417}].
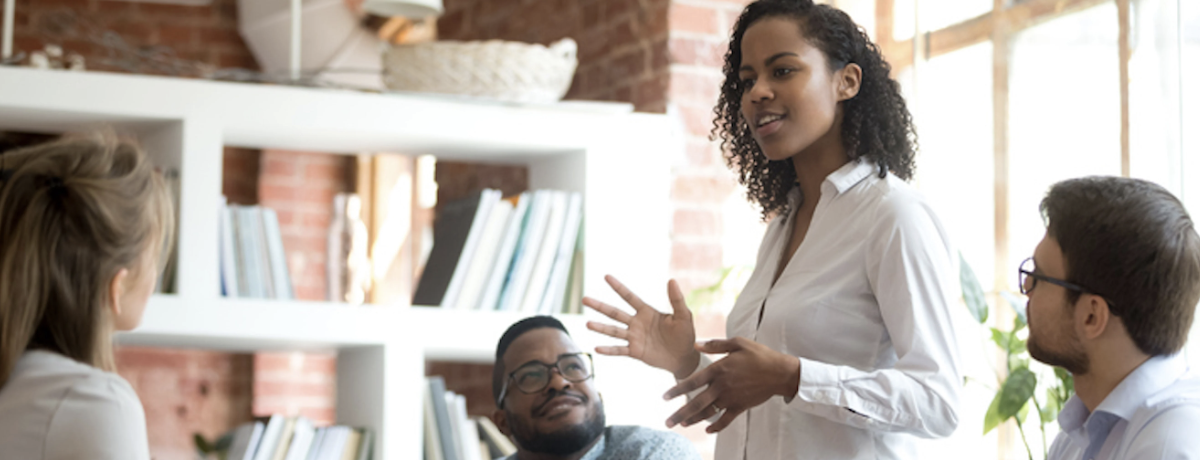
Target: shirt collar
[
  {"x": 597, "y": 451},
  {"x": 1152, "y": 376},
  {"x": 1149, "y": 378},
  {"x": 1073, "y": 414},
  {"x": 850, "y": 174}
]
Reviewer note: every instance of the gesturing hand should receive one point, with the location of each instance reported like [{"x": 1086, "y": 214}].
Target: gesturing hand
[
  {"x": 749, "y": 375},
  {"x": 659, "y": 340}
]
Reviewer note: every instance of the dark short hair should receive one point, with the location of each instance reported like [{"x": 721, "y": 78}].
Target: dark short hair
[
  {"x": 1133, "y": 243},
  {"x": 511, "y": 335}
]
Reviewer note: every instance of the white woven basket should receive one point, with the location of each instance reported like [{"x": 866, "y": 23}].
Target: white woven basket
[{"x": 503, "y": 70}]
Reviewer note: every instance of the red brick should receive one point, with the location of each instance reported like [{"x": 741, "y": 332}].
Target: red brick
[
  {"x": 702, "y": 189},
  {"x": 627, "y": 66},
  {"x": 694, "y": 222},
  {"x": 616, "y": 9},
  {"x": 134, "y": 32},
  {"x": 694, "y": 89},
  {"x": 703, "y": 153},
  {"x": 177, "y": 36},
  {"x": 703, "y": 52},
  {"x": 224, "y": 36},
  {"x": 697, "y": 118},
  {"x": 696, "y": 256},
  {"x": 239, "y": 60},
  {"x": 324, "y": 172},
  {"x": 689, "y": 18},
  {"x": 660, "y": 56},
  {"x": 651, "y": 92}
]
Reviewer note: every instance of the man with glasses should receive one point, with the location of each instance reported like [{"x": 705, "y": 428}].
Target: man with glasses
[
  {"x": 547, "y": 403},
  {"x": 1112, "y": 290}
]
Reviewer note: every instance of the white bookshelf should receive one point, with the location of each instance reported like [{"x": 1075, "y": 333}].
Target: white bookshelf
[{"x": 619, "y": 160}]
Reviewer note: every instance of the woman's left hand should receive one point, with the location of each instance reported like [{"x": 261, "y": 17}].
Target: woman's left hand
[{"x": 747, "y": 376}]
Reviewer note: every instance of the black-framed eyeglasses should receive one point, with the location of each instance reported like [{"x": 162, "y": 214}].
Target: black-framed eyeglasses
[
  {"x": 535, "y": 376},
  {"x": 1029, "y": 279}
]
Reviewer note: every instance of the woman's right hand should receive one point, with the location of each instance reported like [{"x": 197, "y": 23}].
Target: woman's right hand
[{"x": 665, "y": 341}]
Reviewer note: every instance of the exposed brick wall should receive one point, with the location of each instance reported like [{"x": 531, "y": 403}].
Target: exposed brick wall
[
  {"x": 295, "y": 384},
  {"x": 458, "y": 180},
  {"x": 206, "y": 34},
  {"x": 186, "y": 392},
  {"x": 300, "y": 186},
  {"x": 699, "y": 37},
  {"x": 622, "y": 43}
]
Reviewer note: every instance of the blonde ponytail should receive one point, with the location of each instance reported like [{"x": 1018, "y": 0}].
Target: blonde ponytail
[{"x": 73, "y": 213}]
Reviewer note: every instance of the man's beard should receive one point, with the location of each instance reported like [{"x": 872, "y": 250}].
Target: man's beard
[
  {"x": 1074, "y": 359},
  {"x": 565, "y": 441}
]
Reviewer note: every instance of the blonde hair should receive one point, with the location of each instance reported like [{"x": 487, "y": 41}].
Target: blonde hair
[{"x": 73, "y": 213}]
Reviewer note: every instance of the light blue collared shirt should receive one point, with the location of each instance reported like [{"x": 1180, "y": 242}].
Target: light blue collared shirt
[{"x": 1153, "y": 414}]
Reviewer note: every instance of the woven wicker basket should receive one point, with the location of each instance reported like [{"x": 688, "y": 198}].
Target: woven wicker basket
[{"x": 503, "y": 70}]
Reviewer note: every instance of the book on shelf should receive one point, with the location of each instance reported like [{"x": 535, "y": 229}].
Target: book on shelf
[
  {"x": 253, "y": 261},
  {"x": 546, "y": 252},
  {"x": 297, "y": 438},
  {"x": 442, "y": 421},
  {"x": 167, "y": 276},
  {"x": 556, "y": 287},
  {"x": 504, "y": 254},
  {"x": 526, "y": 252},
  {"x": 498, "y": 445},
  {"x": 452, "y": 434},
  {"x": 485, "y": 256},
  {"x": 515, "y": 254},
  {"x": 450, "y": 232},
  {"x": 488, "y": 199}
]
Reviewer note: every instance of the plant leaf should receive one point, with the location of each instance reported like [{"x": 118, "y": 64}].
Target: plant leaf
[
  {"x": 1024, "y": 412},
  {"x": 973, "y": 294},
  {"x": 1017, "y": 305},
  {"x": 1051, "y": 409},
  {"x": 1016, "y": 391},
  {"x": 992, "y": 419},
  {"x": 1000, "y": 338}
]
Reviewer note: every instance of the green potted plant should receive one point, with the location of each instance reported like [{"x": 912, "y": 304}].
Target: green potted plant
[{"x": 1017, "y": 384}]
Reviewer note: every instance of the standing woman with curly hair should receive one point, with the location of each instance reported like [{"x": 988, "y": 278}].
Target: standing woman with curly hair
[
  {"x": 83, "y": 225},
  {"x": 840, "y": 345}
]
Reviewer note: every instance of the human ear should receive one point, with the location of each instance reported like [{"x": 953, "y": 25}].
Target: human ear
[
  {"x": 1092, "y": 315},
  {"x": 500, "y": 419},
  {"x": 849, "y": 81},
  {"x": 116, "y": 288}
]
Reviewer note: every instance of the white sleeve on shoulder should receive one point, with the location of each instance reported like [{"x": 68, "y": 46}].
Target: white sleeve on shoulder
[
  {"x": 99, "y": 418},
  {"x": 1170, "y": 435}
]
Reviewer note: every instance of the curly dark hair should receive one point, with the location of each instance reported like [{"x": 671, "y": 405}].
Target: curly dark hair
[{"x": 876, "y": 123}]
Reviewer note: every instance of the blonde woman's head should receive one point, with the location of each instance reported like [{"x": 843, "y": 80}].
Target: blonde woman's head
[{"x": 84, "y": 223}]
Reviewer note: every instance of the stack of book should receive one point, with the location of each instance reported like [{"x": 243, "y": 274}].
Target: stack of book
[
  {"x": 451, "y": 435},
  {"x": 253, "y": 263},
  {"x": 518, "y": 254},
  {"x": 295, "y": 438}
]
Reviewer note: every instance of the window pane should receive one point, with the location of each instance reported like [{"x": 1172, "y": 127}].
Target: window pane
[
  {"x": 938, "y": 14},
  {"x": 954, "y": 125},
  {"x": 904, "y": 15},
  {"x": 1064, "y": 114},
  {"x": 953, "y": 113},
  {"x": 934, "y": 14},
  {"x": 863, "y": 14},
  {"x": 1190, "y": 70},
  {"x": 1154, "y": 94}
]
